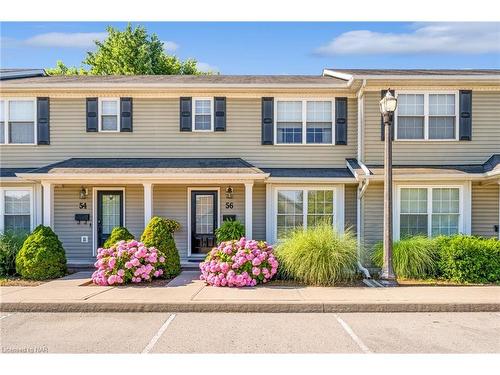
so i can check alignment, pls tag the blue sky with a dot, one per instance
(271, 48)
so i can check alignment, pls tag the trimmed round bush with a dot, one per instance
(230, 230)
(239, 263)
(469, 259)
(412, 258)
(159, 233)
(318, 255)
(42, 256)
(10, 244)
(126, 262)
(118, 234)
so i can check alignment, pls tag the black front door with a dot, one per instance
(203, 221)
(109, 213)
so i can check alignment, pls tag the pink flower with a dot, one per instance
(162, 259)
(121, 273)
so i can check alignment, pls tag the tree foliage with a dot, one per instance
(132, 51)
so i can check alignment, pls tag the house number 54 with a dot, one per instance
(229, 205)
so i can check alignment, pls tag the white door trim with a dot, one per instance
(94, 212)
(189, 190)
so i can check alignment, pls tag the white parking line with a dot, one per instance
(5, 316)
(351, 333)
(158, 334)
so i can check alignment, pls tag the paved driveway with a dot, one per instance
(250, 333)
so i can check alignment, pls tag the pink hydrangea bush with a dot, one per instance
(239, 263)
(127, 262)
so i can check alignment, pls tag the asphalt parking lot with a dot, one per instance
(250, 333)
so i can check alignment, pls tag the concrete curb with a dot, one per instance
(252, 307)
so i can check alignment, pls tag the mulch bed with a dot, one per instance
(435, 282)
(294, 284)
(17, 281)
(156, 283)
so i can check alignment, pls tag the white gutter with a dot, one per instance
(465, 76)
(359, 95)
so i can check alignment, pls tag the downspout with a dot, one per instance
(363, 185)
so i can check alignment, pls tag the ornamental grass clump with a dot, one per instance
(318, 255)
(127, 262)
(239, 263)
(413, 258)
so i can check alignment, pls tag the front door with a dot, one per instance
(203, 221)
(109, 213)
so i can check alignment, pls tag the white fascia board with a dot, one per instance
(335, 74)
(311, 180)
(434, 176)
(430, 77)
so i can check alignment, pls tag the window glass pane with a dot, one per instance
(444, 224)
(17, 210)
(110, 212)
(202, 107)
(21, 110)
(412, 225)
(319, 111)
(109, 123)
(204, 214)
(411, 104)
(2, 115)
(203, 115)
(202, 122)
(441, 127)
(446, 200)
(2, 132)
(319, 132)
(109, 107)
(289, 132)
(289, 112)
(413, 200)
(319, 206)
(22, 132)
(442, 104)
(410, 127)
(290, 211)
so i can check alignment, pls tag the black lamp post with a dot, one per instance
(388, 105)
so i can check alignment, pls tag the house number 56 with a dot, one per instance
(229, 205)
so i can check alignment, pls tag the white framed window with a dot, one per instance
(429, 211)
(301, 121)
(109, 114)
(427, 116)
(203, 116)
(18, 121)
(16, 207)
(302, 207)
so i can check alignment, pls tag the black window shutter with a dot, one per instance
(43, 121)
(185, 114)
(92, 119)
(465, 119)
(341, 121)
(382, 136)
(267, 121)
(220, 114)
(126, 114)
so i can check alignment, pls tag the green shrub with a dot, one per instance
(470, 259)
(118, 234)
(230, 230)
(42, 256)
(159, 233)
(10, 244)
(415, 257)
(318, 255)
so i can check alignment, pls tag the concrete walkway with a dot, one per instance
(186, 293)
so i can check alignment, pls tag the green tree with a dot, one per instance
(130, 52)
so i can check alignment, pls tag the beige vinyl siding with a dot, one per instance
(485, 136)
(156, 134)
(350, 204)
(485, 209)
(66, 205)
(372, 216)
(171, 201)
(259, 212)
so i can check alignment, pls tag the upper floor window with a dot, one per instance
(17, 121)
(427, 116)
(17, 209)
(203, 116)
(109, 114)
(304, 122)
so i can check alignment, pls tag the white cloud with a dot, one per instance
(170, 46)
(204, 67)
(75, 40)
(438, 37)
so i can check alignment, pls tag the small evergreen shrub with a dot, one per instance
(10, 244)
(42, 256)
(414, 258)
(159, 233)
(118, 234)
(230, 230)
(318, 255)
(469, 259)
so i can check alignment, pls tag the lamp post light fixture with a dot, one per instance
(388, 105)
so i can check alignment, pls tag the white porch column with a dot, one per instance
(148, 202)
(48, 204)
(248, 209)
